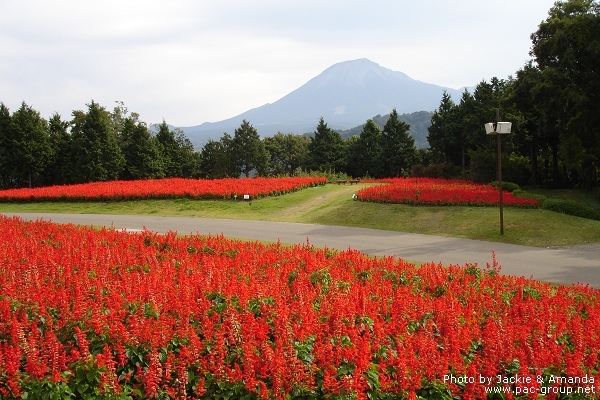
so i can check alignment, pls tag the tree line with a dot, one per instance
(95, 145)
(552, 102)
(100, 145)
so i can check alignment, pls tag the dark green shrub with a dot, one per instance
(484, 167)
(440, 170)
(507, 186)
(516, 169)
(570, 208)
(331, 176)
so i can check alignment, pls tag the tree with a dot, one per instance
(445, 131)
(364, 151)
(327, 149)
(5, 146)
(96, 152)
(187, 157)
(140, 149)
(211, 157)
(480, 148)
(287, 152)
(168, 150)
(566, 49)
(59, 168)
(119, 115)
(248, 151)
(398, 147)
(216, 159)
(473, 111)
(526, 95)
(177, 152)
(30, 151)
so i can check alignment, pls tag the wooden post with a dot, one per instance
(499, 155)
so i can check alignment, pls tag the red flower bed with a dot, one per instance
(431, 191)
(164, 188)
(90, 313)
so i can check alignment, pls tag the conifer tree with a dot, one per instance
(30, 149)
(327, 149)
(398, 147)
(59, 169)
(364, 151)
(140, 150)
(97, 155)
(5, 146)
(248, 151)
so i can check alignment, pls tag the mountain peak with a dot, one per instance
(363, 63)
(345, 95)
(357, 72)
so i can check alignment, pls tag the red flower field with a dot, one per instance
(88, 313)
(164, 188)
(433, 191)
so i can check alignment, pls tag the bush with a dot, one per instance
(440, 170)
(331, 176)
(517, 169)
(570, 208)
(483, 167)
(508, 186)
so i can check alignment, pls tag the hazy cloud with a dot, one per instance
(196, 61)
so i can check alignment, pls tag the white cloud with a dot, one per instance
(191, 62)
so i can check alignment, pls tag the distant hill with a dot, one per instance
(419, 122)
(345, 95)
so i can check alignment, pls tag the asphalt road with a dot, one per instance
(568, 265)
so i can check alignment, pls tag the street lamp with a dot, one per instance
(499, 128)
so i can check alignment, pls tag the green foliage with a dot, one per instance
(141, 152)
(331, 176)
(176, 151)
(483, 165)
(5, 145)
(364, 150)
(216, 159)
(435, 391)
(58, 170)
(438, 170)
(445, 132)
(507, 186)
(30, 145)
(327, 149)
(248, 151)
(565, 47)
(287, 153)
(516, 168)
(570, 208)
(98, 156)
(419, 122)
(398, 148)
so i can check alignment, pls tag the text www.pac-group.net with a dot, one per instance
(527, 384)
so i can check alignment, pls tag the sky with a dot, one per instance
(192, 61)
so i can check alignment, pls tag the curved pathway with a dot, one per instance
(576, 264)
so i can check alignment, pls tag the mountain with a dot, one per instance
(419, 122)
(345, 95)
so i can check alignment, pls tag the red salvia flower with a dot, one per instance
(185, 316)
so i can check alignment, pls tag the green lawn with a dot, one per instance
(333, 205)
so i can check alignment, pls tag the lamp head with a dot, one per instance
(503, 127)
(492, 128)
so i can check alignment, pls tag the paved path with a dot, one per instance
(576, 264)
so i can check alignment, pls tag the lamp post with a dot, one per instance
(499, 128)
